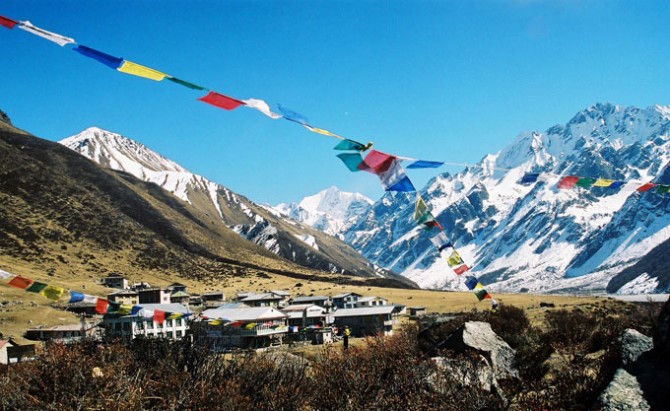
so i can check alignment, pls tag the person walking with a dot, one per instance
(346, 333)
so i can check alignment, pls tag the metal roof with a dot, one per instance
(362, 311)
(305, 298)
(244, 314)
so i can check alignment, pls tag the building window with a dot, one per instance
(178, 322)
(178, 333)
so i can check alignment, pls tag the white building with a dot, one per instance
(251, 327)
(367, 320)
(130, 326)
(369, 302)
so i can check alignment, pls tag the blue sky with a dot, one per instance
(437, 80)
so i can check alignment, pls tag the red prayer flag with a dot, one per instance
(7, 22)
(20, 282)
(101, 306)
(219, 100)
(159, 316)
(377, 162)
(461, 269)
(646, 187)
(568, 182)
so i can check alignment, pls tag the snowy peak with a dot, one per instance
(331, 211)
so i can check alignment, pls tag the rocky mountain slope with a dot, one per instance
(536, 237)
(331, 211)
(225, 209)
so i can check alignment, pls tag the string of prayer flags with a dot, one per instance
(425, 164)
(104, 58)
(261, 106)
(7, 22)
(139, 70)
(20, 282)
(53, 37)
(185, 83)
(395, 179)
(291, 115)
(219, 100)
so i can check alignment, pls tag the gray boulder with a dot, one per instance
(448, 370)
(662, 334)
(478, 336)
(633, 345)
(623, 394)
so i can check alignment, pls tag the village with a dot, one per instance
(241, 322)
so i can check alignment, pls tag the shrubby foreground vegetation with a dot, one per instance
(563, 365)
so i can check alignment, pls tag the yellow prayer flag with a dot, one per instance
(321, 131)
(454, 259)
(603, 182)
(138, 70)
(124, 309)
(215, 322)
(173, 316)
(52, 292)
(250, 326)
(479, 286)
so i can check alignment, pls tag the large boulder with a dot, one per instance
(478, 336)
(633, 345)
(623, 394)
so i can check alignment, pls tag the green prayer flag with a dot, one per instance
(351, 160)
(663, 189)
(585, 182)
(481, 294)
(346, 144)
(36, 287)
(185, 83)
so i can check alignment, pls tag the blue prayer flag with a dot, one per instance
(529, 178)
(471, 282)
(292, 115)
(104, 58)
(136, 309)
(403, 185)
(425, 164)
(616, 184)
(76, 297)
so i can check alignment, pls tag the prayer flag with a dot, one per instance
(250, 326)
(529, 178)
(454, 259)
(104, 58)
(420, 209)
(291, 115)
(52, 292)
(425, 164)
(113, 307)
(147, 314)
(430, 225)
(395, 179)
(159, 316)
(351, 160)
(585, 182)
(75, 297)
(7, 22)
(662, 189)
(54, 37)
(568, 182)
(173, 316)
(36, 287)
(236, 323)
(482, 294)
(471, 282)
(101, 306)
(461, 269)
(646, 187)
(139, 70)
(347, 144)
(219, 100)
(320, 131)
(261, 106)
(603, 182)
(20, 282)
(91, 299)
(135, 310)
(125, 309)
(617, 184)
(215, 322)
(5, 275)
(377, 162)
(185, 83)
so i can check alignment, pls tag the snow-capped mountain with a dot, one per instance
(331, 211)
(263, 225)
(537, 237)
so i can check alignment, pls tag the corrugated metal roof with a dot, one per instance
(172, 307)
(244, 314)
(356, 312)
(305, 298)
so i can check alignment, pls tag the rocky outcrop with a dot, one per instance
(623, 394)
(4, 118)
(633, 345)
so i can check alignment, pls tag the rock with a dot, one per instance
(623, 394)
(547, 305)
(468, 374)
(4, 118)
(478, 336)
(633, 345)
(662, 333)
